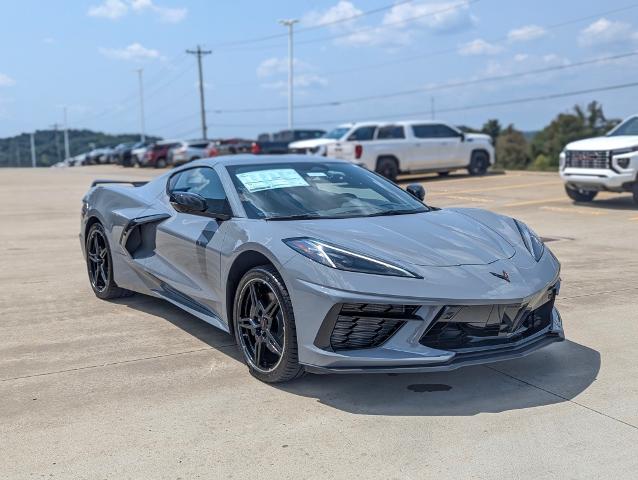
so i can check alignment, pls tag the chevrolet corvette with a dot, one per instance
(319, 265)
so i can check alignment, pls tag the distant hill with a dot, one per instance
(49, 146)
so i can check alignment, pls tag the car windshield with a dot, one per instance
(289, 191)
(337, 133)
(628, 127)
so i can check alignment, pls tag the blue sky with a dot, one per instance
(83, 54)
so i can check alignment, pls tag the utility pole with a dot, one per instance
(199, 52)
(67, 153)
(33, 150)
(55, 127)
(289, 23)
(140, 71)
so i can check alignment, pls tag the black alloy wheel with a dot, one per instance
(99, 265)
(264, 326)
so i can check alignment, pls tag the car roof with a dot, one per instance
(248, 159)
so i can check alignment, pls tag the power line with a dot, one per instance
(502, 103)
(450, 85)
(312, 27)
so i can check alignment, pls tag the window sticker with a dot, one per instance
(270, 179)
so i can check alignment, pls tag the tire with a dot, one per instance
(479, 164)
(99, 265)
(160, 163)
(581, 195)
(267, 343)
(635, 192)
(388, 167)
(443, 174)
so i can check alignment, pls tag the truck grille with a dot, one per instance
(363, 325)
(587, 159)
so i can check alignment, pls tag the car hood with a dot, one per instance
(604, 143)
(439, 238)
(478, 137)
(314, 142)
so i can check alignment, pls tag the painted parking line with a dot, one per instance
(494, 189)
(536, 202)
(467, 199)
(594, 213)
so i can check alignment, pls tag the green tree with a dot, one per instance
(492, 128)
(569, 127)
(512, 149)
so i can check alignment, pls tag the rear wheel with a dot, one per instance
(479, 164)
(160, 163)
(265, 326)
(388, 167)
(581, 195)
(100, 266)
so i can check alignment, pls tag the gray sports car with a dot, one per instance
(318, 265)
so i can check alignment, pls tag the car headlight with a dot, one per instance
(336, 257)
(532, 242)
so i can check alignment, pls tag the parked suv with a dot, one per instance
(414, 146)
(187, 151)
(157, 154)
(608, 163)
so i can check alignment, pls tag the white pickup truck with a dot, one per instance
(608, 163)
(414, 147)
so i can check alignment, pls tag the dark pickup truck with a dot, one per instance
(278, 142)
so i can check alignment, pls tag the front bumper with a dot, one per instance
(598, 179)
(405, 350)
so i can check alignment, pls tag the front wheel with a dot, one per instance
(265, 326)
(479, 164)
(580, 195)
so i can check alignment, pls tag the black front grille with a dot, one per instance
(587, 159)
(462, 327)
(366, 325)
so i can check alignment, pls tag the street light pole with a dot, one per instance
(199, 53)
(140, 72)
(289, 23)
(67, 153)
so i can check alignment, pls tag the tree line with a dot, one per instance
(516, 151)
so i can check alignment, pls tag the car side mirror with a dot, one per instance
(416, 190)
(188, 202)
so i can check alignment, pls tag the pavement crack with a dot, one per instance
(562, 397)
(110, 364)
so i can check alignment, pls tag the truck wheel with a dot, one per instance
(581, 195)
(478, 164)
(635, 192)
(388, 168)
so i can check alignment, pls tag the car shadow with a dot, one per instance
(555, 374)
(618, 202)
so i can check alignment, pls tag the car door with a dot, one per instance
(426, 153)
(450, 146)
(189, 245)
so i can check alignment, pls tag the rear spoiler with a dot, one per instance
(135, 183)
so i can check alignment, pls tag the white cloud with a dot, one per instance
(274, 66)
(604, 32)
(6, 80)
(304, 80)
(114, 9)
(134, 51)
(338, 13)
(398, 27)
(442, 17)
(110, 9)
(479, 47)
(526, 33)
(521, 57)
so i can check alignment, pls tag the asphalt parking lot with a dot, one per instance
(136, 388)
